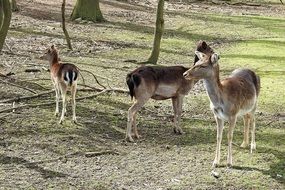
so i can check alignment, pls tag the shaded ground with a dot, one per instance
(38, 153)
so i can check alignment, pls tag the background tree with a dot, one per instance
(159, 28)
(5, 18)
(87, 10)
(63, 25)
(14, 6)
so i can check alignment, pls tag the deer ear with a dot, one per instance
(199, 54)
(214, 58)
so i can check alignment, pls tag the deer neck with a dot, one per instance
(54, 60)
(214, 89)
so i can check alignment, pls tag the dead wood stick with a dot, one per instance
(27, 97)
(25, 88)
(8, 47)
(94, 77)
(78, 153)
(17, 99)
(92, 154)
(51, 103)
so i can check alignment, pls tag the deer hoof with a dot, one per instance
(138, 136)
(178, 131)
(229, 165)
(130, 139)
(215, 164)
(244, 145)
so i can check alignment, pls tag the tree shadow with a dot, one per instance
(276, 170)
(4, 159)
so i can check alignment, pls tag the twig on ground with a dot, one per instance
(94, 77)
(92, 154)
(12, 84)
(27, 97)
(86, 154)
(8, 47)
(51, 103)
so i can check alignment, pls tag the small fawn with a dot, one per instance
(232, 97)
(64, 78)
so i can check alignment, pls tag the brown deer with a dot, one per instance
(159, 83)
(232, 97)
(64, 78)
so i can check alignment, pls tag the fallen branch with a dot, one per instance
(8, 47)
(53, 102)
(27, 97)
(25, 88)
(94, 77)
(78, 153)
(243, 3)
(92, 154)
(32, 70)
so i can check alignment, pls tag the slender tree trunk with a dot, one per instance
(159, 28)
(14, 6)
(7, 13)
(1, 14)
(63, 25)
(87, 10)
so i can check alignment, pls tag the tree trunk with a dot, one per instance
(14, 6)
(63, 25)
(87, 10)
(159, 28)
(5, 7)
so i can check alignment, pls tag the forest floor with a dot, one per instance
(38, 153)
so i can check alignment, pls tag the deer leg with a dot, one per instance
(246, 120)
(177, 115)
(131, 118)
(63, 93)
(135, 126)
(232, 122)
(175, 110)
(252, 123)
(57, 96)
(73, 93)
(220, 127)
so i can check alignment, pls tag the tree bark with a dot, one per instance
(63, 25)
(14, 6)
(159, 28)
(87, 10)
(5, 7)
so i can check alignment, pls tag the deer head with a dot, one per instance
(204, 68)
(50, 54)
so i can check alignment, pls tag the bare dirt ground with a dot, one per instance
(38, 153)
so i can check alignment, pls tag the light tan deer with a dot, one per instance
(232, 97)
(64, 78)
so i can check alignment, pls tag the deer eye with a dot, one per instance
(203, 66)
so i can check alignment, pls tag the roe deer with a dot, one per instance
(64, 77)
(158, 83)
(234, 96)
